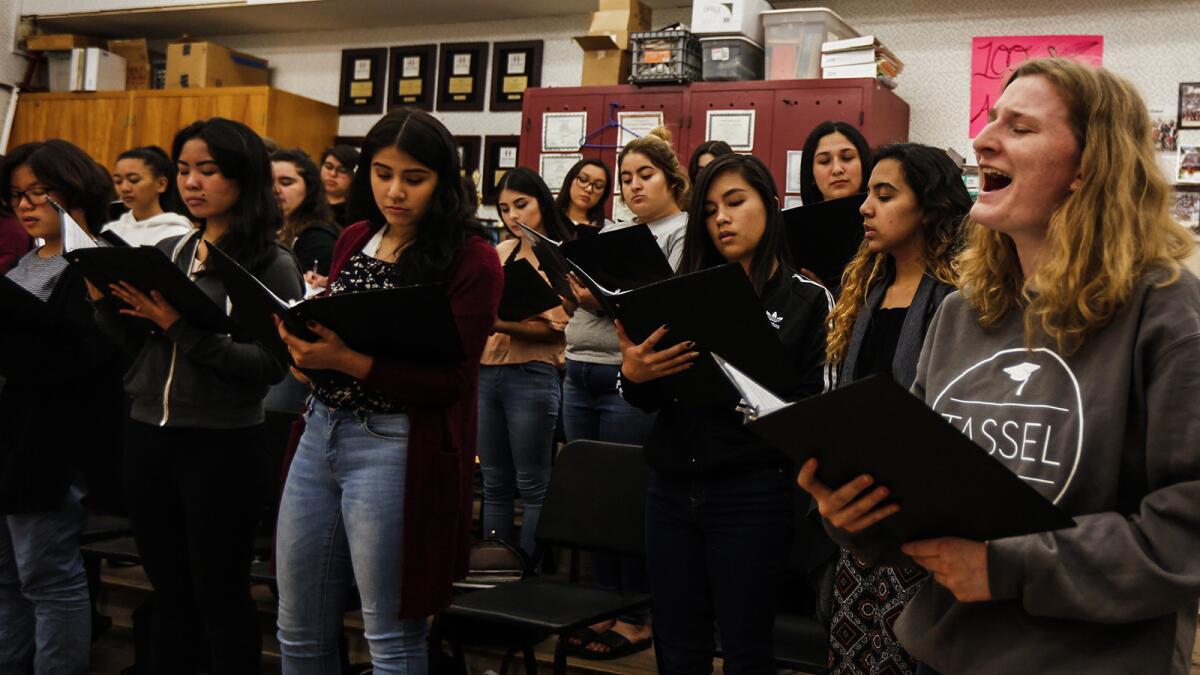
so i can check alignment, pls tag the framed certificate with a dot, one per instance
(462, 76)
(516, 66)
(412, 74)
(499, 156)
(363, 79)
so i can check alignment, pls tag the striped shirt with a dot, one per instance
(38, 275)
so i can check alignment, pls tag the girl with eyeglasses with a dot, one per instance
(60, 406)
(337, 172)
(583, 195)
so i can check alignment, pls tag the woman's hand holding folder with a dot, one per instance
(329, 352)
(641, 363)
(153, 306)
(958, 564)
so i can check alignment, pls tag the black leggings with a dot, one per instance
(193, 497)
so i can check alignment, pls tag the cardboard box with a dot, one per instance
(729, 17)
(606, 66)
(137, 61)
(86, 69)
(606, 59)
(63, 42)
(208, 64)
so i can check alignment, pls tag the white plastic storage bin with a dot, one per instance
(729, 17)
(731, 58)
(793, 39)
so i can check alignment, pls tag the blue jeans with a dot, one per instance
(45, 618)
(593, 410)
(518, 407)
(343, 511)
(715, 549)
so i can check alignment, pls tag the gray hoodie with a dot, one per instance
(189, 377)
(1111, 434)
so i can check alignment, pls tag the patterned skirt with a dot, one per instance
(866, 602)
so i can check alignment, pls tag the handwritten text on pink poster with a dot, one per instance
(993, 58)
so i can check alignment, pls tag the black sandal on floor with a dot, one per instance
(618, 646)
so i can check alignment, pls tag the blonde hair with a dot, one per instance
(936, 181)
(1103, 238)
(656, 146)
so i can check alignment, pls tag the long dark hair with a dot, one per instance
(809, 192)
(936, 182)
(160, 166)
(714, 148)
(242, 157)
(66, 170)
(450, 218)
(314, 209)
(699, 252)
(527, 182)
(595, 215)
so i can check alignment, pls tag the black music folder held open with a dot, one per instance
(945, 484)
(614, 261)
(550, 260)
(824, 237)
(526, 293)
(410, 323)
(718, 309)
(149, 269)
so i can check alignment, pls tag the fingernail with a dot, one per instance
(311, 324)
(691, 344)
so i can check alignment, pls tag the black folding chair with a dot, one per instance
(596, 501)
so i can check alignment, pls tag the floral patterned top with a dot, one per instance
(363, 272)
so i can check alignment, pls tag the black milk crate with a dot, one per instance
(665, 56)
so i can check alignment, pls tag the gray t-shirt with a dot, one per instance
(592, 338)
(38, 275)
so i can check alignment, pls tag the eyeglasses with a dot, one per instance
(584, 183)
(335, 168)
(37, 196)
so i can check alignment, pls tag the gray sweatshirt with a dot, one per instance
(189, 377)
(1111, 434)
(592, 338)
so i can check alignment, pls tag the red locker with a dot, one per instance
(785, 112)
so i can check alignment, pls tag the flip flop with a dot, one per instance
(585, 635)
(618, 646)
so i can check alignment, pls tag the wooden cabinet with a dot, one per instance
(106, 123)
(97, 122)
(785, 111)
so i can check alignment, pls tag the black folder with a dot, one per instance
(526, 293)
(551, 261)
(824, 237)
(608, 263)
(718, 309)
(149, 269)
(411, 323)
(23, 308)
(946, 485)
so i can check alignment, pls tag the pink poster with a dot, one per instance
(992, 58)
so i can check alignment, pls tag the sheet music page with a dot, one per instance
(758, 398)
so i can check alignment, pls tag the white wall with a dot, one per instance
(308, 63)
(1155, 43)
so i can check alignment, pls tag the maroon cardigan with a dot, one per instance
(441, 403)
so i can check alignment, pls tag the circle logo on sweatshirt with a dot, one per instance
(1024, 407)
